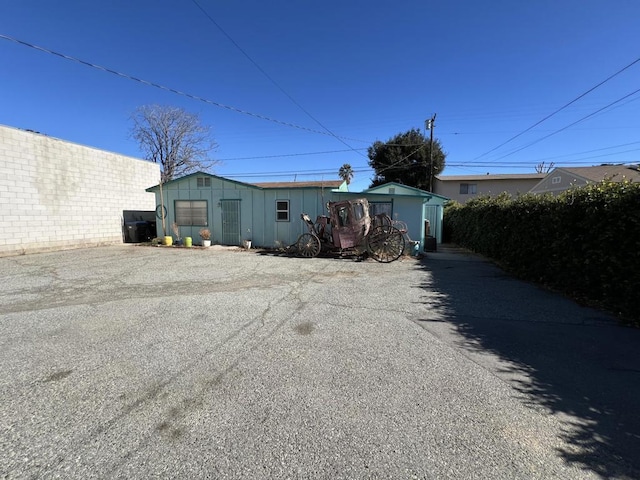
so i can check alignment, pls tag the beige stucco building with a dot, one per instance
(465, 187)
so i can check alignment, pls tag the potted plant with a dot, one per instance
(176, 232)
(205, 234)
(247, 242)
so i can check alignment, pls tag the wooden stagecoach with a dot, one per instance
(349, 227)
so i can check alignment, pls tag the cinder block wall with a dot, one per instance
(55, 194)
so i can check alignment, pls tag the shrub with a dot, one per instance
(583, 242)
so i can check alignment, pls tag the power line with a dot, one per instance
(286, 155)
(568, 126)
(517, 165)
(161, 87)
(302, 154)
(277, 85)
(472, 163)
(592, 151)
(290, 173)
(561, 108)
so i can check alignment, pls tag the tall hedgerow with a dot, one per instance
(585, 242)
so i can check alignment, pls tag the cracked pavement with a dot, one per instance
(136, 362)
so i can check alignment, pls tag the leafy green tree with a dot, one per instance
(346, 173)
(406, 159)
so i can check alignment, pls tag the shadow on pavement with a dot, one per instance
(555, 354)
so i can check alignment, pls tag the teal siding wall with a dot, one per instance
(409, 210)
(187, 189)
(434, 214)
(258, 208)
(282, 233)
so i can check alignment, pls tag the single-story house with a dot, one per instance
(268, 214)
(564, 178)
(462, 188)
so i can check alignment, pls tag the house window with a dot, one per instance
(392, 190)
(282, 210)
(204, 182)
(377, 208)
(191, 212)
(468, 188)
(556, 180)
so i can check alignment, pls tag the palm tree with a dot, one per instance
(346, 173)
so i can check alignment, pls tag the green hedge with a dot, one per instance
(584, 242)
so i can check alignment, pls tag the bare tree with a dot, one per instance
(173, 138)
(542, 167)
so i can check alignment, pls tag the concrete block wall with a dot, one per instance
(56, 194)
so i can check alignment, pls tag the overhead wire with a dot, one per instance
(159, 86)
(301, 154)
(568, 126)
(555, 157)
(261, 157)
(470, 164)
(289, 173)
(560, 109)
(292, 125)
(276, 84)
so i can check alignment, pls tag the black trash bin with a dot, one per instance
(430, 244)
(139, 225)
(136, 232)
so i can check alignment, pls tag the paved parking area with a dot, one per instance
(141, 362)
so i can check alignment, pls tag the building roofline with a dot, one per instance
(331, 184)
(311, 184)
(200, 173)
(616, 169)
(419, 192)
(497, 176)
(44, 135)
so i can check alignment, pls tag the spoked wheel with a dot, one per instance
(308, 245)
(385, 243)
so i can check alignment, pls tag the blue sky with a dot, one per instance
(364, 71)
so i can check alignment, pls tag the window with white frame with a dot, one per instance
(468, 188)
(191, 212)
(282, 210)
(556, 180)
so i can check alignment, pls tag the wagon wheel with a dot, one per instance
(308, 245)
(385, 243)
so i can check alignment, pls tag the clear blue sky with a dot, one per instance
(364, 70)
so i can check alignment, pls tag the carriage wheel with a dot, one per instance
(308, 245)
(385, 243)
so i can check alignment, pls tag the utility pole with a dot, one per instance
(430, 124)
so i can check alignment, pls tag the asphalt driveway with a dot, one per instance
(140, 362)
